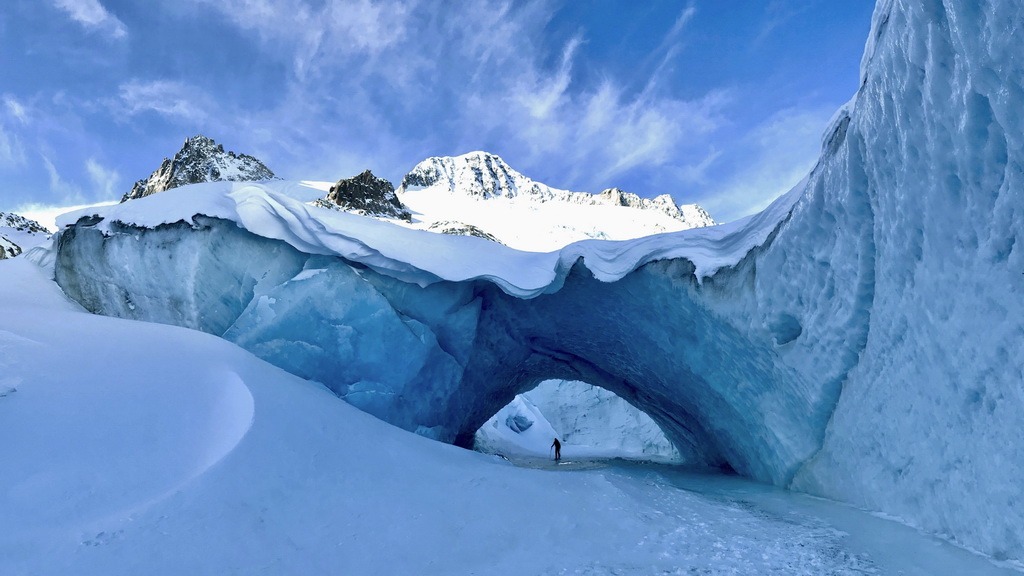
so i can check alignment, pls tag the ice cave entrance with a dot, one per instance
(592, 423)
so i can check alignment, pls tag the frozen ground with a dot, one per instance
(133, 448)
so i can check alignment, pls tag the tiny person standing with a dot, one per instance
(558, 449)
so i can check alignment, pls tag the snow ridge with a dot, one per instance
(200, 160)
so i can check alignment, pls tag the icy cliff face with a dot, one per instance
(920, 197)
(862, 339)
(200, 160)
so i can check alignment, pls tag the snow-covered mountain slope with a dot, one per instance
(200, 160)
(366, 195)
(861, 339)
(590, 422)
(481, 190)
(136, 448)
(18, 234)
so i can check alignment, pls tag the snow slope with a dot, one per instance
(136, 448)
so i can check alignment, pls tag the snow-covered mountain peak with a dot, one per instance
(481, 189)
(478, 174)
(200, 159)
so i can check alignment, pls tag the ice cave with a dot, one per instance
(860, 339)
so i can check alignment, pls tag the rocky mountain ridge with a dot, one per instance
(484, 175)
(200, 160)
(15, 230)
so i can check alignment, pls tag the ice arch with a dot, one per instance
(870, 348)
(441, 359)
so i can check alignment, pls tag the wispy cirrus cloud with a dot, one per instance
(93, 16)
(778, 154)
(105, 181)
(60, 187)
(404, 80)
(11, 151)
(170, 98)
(12, 117)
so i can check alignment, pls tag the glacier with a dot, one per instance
(861, 339)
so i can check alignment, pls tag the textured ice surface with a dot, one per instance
(862, 338)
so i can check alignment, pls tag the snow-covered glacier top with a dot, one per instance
(283, 210)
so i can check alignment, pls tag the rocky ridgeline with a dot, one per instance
(200, 160)
(367, 195)
(15, 225)
(456, 228)
(484, 175)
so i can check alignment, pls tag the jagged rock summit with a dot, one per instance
(200, 160)
(484, 175)
(368, 195)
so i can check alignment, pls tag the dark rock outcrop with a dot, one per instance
(367, 195)
(455, 228)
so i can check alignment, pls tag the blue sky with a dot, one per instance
(713, 101)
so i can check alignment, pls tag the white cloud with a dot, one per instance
(780, 152)
(397, 81)
(69, 192)
(93, 16)
(105, 181)
(16, 109)
(317, 35)
(169, 98)
(11, 151)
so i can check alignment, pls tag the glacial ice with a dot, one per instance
(861, 339)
